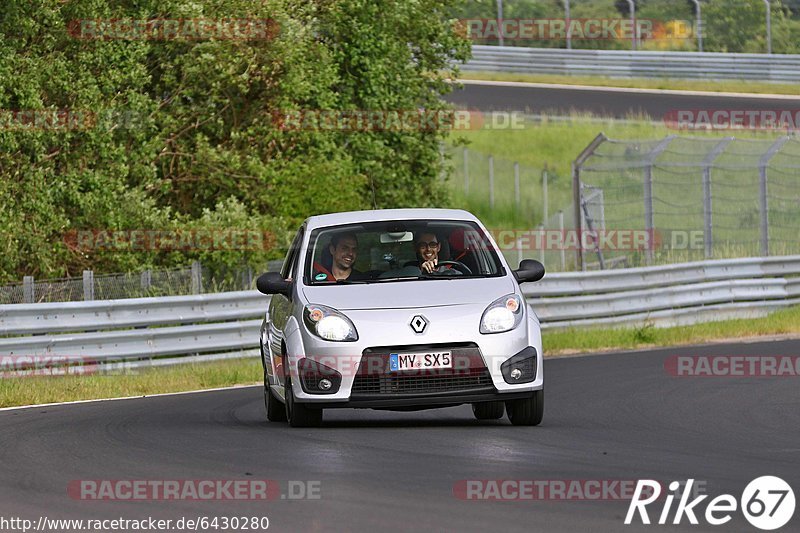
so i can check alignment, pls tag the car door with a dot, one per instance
(280, 309)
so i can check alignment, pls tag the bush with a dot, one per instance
(181, 133)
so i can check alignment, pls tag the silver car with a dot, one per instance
(400, 309)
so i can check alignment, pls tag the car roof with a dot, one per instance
(377, 215)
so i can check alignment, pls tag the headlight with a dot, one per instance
(329, 324)
(504, 314)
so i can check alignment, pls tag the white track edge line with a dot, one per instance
(98, 400)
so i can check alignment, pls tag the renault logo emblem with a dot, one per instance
(418, 323)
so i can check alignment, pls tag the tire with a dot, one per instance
(528, 411)
(488, 410)
(276, 412)
(298, 415)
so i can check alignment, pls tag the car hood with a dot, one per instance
(410, 294)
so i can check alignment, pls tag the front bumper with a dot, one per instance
(423, 400)
(454, 327)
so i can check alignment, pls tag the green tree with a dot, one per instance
(740, 26)
(182, 132)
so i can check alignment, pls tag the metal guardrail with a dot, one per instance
(168, 330)
(635, 64)
(21, 319)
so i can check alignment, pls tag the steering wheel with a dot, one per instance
(458, 265)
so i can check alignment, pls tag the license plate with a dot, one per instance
(420, 361)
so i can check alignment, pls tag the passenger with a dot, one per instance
(343, 250)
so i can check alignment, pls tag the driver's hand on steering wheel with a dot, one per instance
(429, 266)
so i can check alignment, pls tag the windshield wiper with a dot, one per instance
(404, 278)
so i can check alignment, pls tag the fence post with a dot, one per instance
(649, 216)
(545, 213)
(491, 182)
(466, 171)
(197, 278)
(561, 240)
(28, 295)
(516, 183)
(146, 280)
(649, 220)
(763, 190)
(580, 264)
(88, 285)
(707, 201)
(763, 207)
(544, 243)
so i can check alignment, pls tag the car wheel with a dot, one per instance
(488, 410)
(298, 415)
(528, 411)
(276, 412)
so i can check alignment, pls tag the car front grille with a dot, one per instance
(469, 373)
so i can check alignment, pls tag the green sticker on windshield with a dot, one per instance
(320, 277)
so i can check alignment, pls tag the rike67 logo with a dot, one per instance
(767, 503)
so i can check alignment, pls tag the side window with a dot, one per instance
(290, 263)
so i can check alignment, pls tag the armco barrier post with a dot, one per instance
(197, 278)
(27, 289)
(88, 285)
(146, 280)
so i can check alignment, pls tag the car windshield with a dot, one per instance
(394, 251)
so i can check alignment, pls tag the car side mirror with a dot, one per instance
(529, 270)
(273, 283)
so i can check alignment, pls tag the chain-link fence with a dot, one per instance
(521, 205)
(195, 279)
(691, 198)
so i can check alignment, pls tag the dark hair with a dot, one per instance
(419, 235)
(339, 236)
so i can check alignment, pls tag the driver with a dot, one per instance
(344, 252)
(428, 248)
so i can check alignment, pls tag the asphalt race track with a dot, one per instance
(605, 102)
(607, 417)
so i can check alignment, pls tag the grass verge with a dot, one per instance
(39, 390)
(132, 382)
(726, 86)
(784, 322)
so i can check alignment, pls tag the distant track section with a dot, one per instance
(612, 102)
